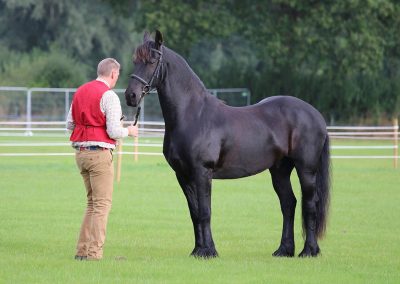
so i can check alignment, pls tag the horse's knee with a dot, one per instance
(204, 214)
(292, 202)
(288, 204)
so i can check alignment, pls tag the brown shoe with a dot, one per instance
(80, 257)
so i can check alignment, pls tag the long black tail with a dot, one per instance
(323, 189)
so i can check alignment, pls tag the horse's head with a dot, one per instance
(147, 69)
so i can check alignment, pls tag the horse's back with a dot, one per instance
(292, 105)
(295, 112)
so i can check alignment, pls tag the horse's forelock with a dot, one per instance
(143, 52)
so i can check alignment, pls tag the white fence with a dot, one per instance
(387, 135)
(52, 104)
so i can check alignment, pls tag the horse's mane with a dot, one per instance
(143, 52)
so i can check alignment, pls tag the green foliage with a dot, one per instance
(40, 69)
(186, 23)
(84, 29)
(87, 31)
(330, 53)
(341, 56)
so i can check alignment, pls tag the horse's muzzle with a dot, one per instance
(131, 98)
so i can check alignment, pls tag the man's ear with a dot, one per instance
(159, 39)
(113, 74)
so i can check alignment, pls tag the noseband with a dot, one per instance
(147, 86)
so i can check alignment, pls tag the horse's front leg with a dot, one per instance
(198, 194)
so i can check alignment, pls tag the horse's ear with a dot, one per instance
(146, 37)
(159, 39)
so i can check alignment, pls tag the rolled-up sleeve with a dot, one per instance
(70, 120)
(111, 105)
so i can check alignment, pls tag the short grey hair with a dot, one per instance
(106, 66)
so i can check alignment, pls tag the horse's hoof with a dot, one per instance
(283, 252)
(310, 252)
(204, 253)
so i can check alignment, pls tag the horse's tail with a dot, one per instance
(323, 189)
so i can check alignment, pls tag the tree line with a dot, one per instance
(343, 57)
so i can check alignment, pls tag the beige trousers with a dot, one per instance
(97, 170)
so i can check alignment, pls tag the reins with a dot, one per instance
(147, 86)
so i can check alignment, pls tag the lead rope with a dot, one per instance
(139, 106)
(137, 115)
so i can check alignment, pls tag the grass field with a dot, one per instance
(150, 234)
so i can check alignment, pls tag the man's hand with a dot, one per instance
(133, 130)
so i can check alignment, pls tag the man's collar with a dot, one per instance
(102, 80)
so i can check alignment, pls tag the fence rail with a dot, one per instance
(149, 129)
(52, 104)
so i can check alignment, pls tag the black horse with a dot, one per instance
(206, 139)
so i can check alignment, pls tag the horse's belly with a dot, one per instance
(232, 173)
(243, 169)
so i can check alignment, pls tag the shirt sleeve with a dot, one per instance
(111, 106)
(70, 120)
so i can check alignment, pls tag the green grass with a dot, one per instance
(150, 234)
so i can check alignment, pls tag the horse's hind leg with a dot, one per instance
(308, 184)
(280, 174)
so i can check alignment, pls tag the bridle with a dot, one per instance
(147, 86)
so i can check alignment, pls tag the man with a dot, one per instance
(94, 119)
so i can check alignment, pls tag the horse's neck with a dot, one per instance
(182, 95)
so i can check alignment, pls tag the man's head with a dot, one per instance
(108, 70)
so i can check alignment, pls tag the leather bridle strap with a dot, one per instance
(147, 86)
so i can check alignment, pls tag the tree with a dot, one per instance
(45, 69)
(341, 56)
(87, 31)
(333, 54)
(186, 23)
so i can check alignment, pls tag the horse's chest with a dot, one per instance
(173, 155)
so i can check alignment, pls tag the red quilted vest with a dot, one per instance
(90, 122)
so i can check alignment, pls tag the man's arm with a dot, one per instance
(111, 106)
(70, 120)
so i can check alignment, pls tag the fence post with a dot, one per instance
(135, 147)
(119, 161)
(396, 141)
(29, 113)
(248, 101)
(141, 118)
(66, 104)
